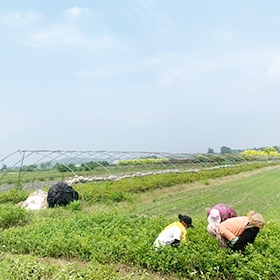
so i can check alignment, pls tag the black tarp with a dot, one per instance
(61, 194)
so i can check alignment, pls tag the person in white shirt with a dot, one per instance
(174, 233)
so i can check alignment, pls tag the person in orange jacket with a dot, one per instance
(237, 232)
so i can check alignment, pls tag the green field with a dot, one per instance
(112, 240)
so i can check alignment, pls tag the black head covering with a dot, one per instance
(186, 219)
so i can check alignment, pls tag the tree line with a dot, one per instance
(228, 150)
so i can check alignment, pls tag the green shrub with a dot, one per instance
(117, 191)
(111, 237)
(76, 205)
(13, 215)
(13, 195)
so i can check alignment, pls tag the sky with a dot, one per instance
(178, 76)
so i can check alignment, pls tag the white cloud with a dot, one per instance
(171, 76)
(273, 70)
(180, 68)
(75, 11)
(67, 35)
(27, 30)
(224, 36)
(149, 18)
(106, 72)
(147, 4)
(15, 18)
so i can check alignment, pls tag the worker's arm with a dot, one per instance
(175, 243)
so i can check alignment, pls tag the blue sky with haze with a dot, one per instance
(149, 75)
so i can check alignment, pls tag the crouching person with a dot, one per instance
(240, 231)
(174, 233)
(220, 213)
(213, 230)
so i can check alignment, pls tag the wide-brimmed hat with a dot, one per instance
(214, 216)
(186, 219)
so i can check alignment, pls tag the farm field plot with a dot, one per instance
(112, 240)
(258, 189)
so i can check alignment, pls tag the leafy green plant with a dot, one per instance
(206, 183)
(76, 205)
(117, 191)
(13, 215)
(13, 195)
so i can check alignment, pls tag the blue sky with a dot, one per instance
(149, 75)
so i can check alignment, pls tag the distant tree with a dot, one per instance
(4, 167)
(60, 167)
(30, 168)
(210, 151)
(225, 150)
(270, 150)
(66, 167)
(42, 166)
(93, 164)
(45, 165)
(236, 151)
(277, 148)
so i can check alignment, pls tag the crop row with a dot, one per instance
(105, 237)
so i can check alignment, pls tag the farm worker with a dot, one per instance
(220, 213)
(213, 230)
(239, 231)
(174, 233)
